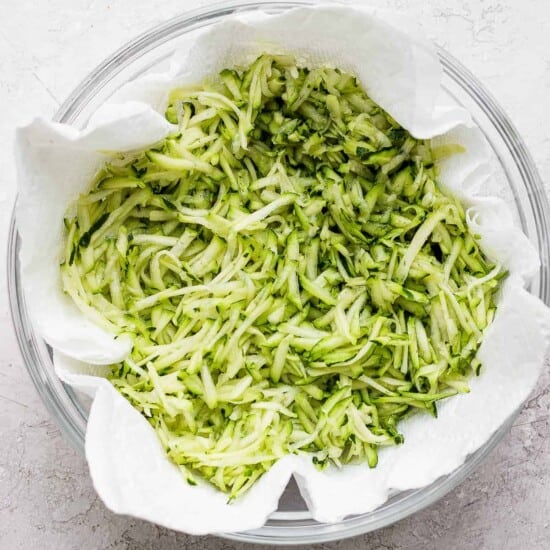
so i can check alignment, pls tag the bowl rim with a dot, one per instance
(29, 342)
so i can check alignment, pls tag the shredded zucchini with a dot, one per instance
(292, 275)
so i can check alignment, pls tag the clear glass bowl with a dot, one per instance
(517, 182)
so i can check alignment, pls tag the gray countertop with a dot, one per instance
(46, 497)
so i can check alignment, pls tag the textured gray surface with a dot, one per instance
(46, 498)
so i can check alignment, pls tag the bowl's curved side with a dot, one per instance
(59, 399)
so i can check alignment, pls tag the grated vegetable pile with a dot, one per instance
(292, 275)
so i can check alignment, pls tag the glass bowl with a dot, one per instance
(517, 182)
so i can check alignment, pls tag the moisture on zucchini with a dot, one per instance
(292, 275)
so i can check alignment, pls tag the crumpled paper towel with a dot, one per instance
(400, 71)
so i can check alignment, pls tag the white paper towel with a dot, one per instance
(400, 71)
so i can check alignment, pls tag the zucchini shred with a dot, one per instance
(292, 275)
